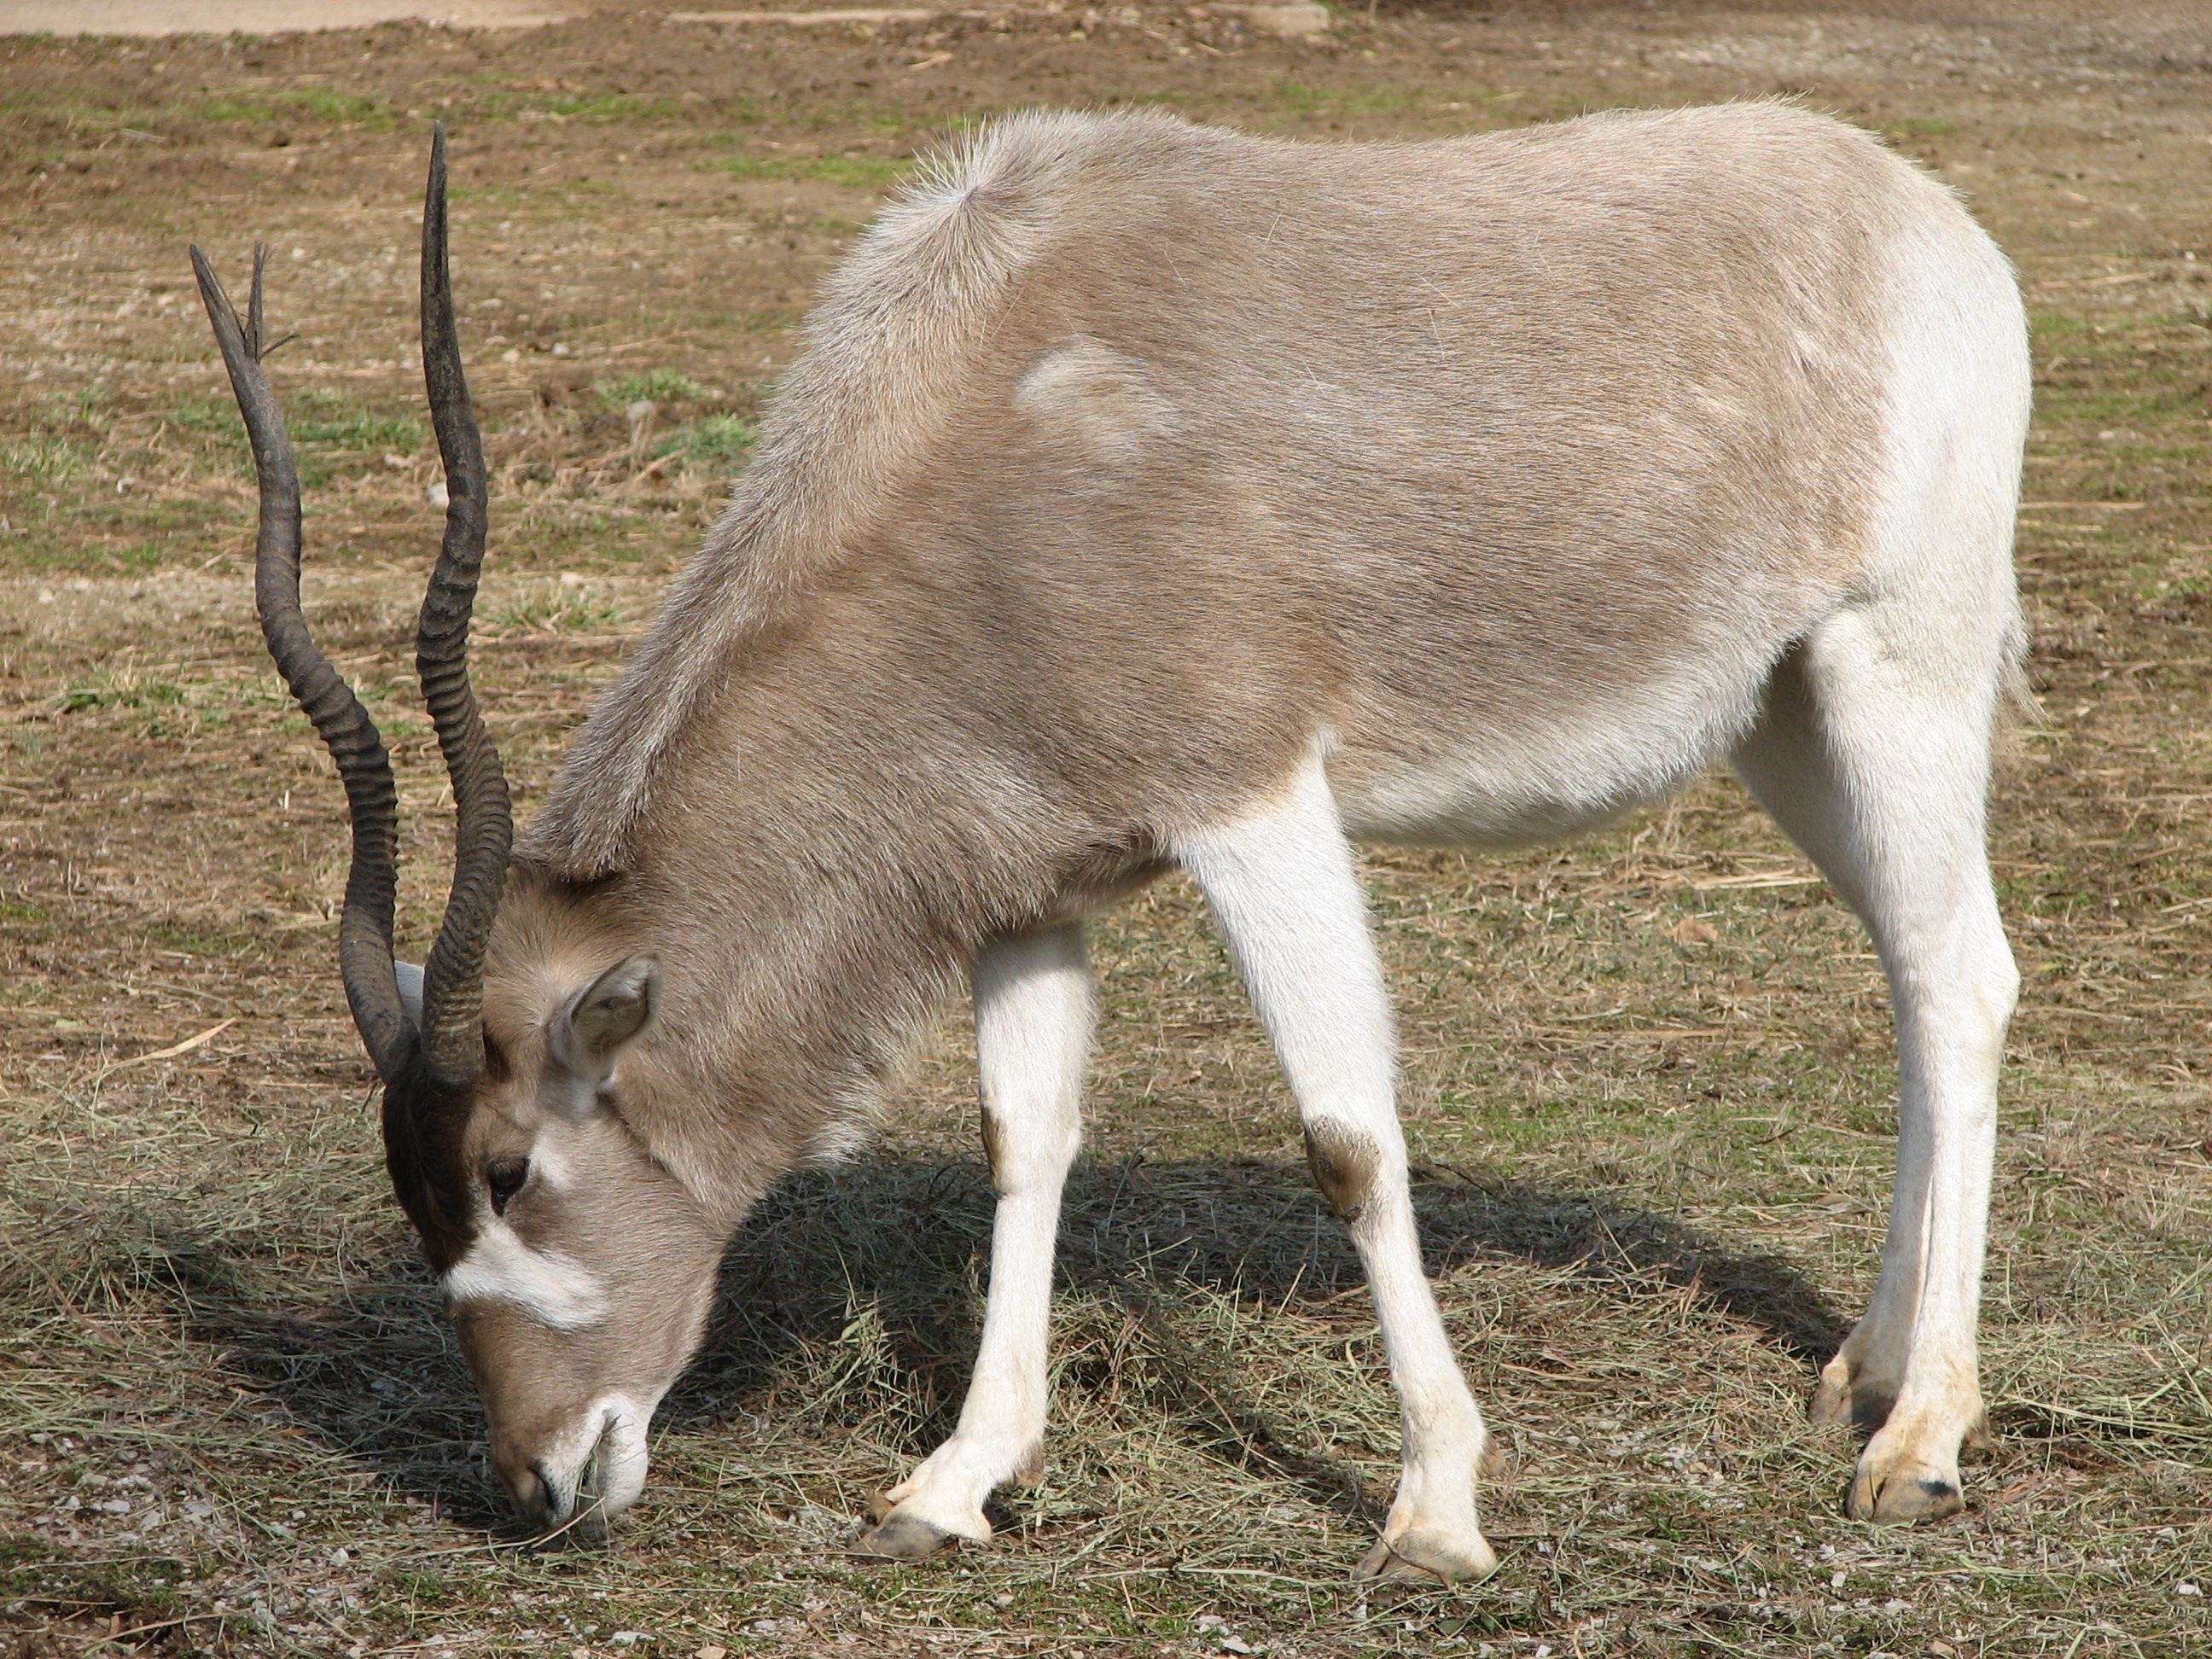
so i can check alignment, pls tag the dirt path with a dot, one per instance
(163, 17)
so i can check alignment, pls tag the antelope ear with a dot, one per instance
(594, 1030)
(410, 989)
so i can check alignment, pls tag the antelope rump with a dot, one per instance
(1148, 495)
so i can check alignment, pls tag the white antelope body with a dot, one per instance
(1149, 496)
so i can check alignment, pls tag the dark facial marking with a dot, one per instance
(424, 1121)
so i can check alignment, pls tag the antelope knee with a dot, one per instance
(1345, 1164)
(1021, 1155)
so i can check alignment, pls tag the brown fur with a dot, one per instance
(994, 1151)
(1439, 449)
(1345, 1163)
(1501, 399)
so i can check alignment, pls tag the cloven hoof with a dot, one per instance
(904, 1537)
(1899, 1495)
(1429, 1557)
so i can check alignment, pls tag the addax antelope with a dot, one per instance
(1148, 495)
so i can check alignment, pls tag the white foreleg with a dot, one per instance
(1283, 890)
(1033, 1023)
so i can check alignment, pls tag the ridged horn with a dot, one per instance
(372, 802)
(483, 829)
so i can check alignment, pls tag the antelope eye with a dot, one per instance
(505, 1178)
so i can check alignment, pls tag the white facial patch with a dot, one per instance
(551, 1288)
(599, 1462)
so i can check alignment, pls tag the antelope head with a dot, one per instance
(576, 1267)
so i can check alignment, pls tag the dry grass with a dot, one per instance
(1649, 1076)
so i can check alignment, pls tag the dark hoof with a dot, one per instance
(904, 1537)
(1901, 1497)
(1429, 1557)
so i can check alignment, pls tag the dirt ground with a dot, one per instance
(1649, 1076)
(166, 17)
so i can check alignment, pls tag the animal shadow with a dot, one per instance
(853, 1292)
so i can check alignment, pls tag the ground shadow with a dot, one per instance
(899, 1242)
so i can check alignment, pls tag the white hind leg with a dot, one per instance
(1878, 767)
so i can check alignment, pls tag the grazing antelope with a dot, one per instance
(1152, 496)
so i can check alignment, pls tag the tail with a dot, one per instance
(2019, 710)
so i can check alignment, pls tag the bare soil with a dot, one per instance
(166, 17)
(1649, 1076)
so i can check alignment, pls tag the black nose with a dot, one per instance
(536, 1497)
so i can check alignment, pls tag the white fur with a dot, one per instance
(1286, 895)
(410, 975)
(601, 1459)
(1518, 787)
(1878, 764)
(548, 1286)
(1094, 399)
(550, 1163)
(1033, 1023)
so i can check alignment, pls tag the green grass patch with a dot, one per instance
(130, 559)
(337, 426)
(718, 439)
(324, 426)
(121, 694)
(153, 707)
(326, 105)
(209, 418)
(659, 385)
(559, 613)
(44, 460)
